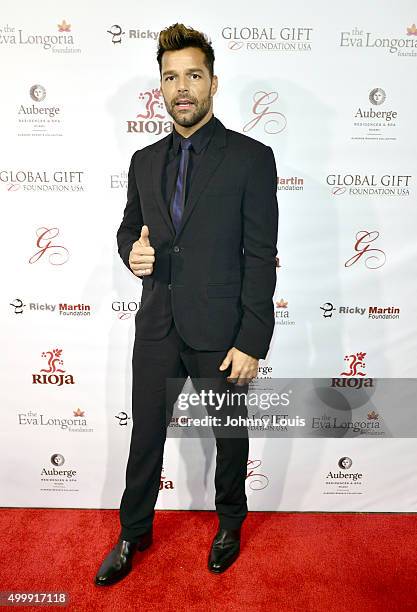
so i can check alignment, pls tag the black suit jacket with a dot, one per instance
(216, 277)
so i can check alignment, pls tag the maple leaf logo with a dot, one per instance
(373, 416)
(412, 30)
(64, 26)
(78, 413)
(281, 303)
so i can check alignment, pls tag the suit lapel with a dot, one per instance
(213, 157)
(158, 166)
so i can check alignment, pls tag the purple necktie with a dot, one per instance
(179, 196)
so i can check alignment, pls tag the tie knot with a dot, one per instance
(186, 144)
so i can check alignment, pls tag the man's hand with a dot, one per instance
(142, 255)
(244, 367)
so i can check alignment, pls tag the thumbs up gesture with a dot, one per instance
(142, 255)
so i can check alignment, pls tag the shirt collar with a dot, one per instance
(199, 139)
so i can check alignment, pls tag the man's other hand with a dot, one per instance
(244, 367)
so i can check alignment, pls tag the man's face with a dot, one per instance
(345, 463)
(186, 85)
(37, 92)
(377, 96)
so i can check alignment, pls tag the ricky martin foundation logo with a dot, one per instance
(283, 38)
(62, 308)
(355, 184)
(373, 123)
(63, 42)
(290, 183)
(38, 119)
(403, 44)
(370, 312)
(269, 119)
(53, 373)
(153, 117)
(117, 33)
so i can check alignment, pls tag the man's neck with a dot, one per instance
(186, 132)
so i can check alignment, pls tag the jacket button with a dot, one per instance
(176, 249)
(169, 286)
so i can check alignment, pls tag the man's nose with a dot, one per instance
(182, 85)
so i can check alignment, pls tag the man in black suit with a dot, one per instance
(200, 230)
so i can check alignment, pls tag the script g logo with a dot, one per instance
(58, 254)
(116, 34)
(374, 258)
(273, 122)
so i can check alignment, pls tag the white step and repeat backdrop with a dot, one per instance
(331, 88)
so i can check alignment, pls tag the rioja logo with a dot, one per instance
(53, 373)
(356, 363)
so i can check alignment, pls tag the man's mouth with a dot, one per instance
(183, 103)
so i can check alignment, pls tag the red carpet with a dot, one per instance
(289, 562)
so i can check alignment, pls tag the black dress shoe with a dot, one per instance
(224, 550)
(118, 562)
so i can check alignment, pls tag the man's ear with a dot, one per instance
(214, 84)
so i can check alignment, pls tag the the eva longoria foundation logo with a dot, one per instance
(282, 313)
(55, 254)
(371, 312)
(153, 118)
(356, 365)
(268, 39)
(271, 121)
(354, 184)
(63, 42)
(404, 44)
(255, 478)
(53, 373)
(374, 258)
(118, 180)
(75, 423)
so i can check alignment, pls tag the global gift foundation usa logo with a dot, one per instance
(254, 38)
(61, 41)
(53, 373)
(404, 44)
(153, 118)
(32, 180)
(354, 184)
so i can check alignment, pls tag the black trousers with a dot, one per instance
(153, 362)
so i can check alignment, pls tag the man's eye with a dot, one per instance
(194, 74)
(168, 78)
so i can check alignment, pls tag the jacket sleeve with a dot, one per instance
(131, 225)
(260, 229)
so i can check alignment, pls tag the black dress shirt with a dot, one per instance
(199, 140)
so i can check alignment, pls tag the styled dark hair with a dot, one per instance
(178, 36)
